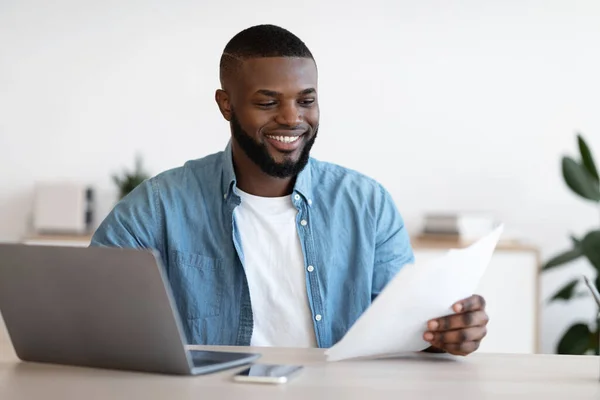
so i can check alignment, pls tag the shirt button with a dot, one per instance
(310, 268)
(309, 202)
(303, 222)
(297, 197)
(318, 317)
(225, 196)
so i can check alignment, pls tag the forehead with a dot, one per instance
(281, 74)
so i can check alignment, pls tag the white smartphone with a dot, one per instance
(267, 373)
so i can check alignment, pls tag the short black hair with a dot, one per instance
(261, 41)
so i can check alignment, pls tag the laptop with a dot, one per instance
(98, 307)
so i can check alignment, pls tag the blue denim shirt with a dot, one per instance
(350, 231)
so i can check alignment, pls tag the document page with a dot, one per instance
(397, 319)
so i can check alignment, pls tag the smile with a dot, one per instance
(284, 139)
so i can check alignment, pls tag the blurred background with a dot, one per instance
(463, 110)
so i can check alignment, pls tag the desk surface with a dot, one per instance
(412, 377)
(418, 242)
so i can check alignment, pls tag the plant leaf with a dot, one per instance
(576, 242)
(129, 180)
(579, 180)
(590, 246)
(566, 292)
(563, 258)
(587, 158)
(116, 180)
(576, 340)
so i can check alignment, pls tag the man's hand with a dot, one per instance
(460, 333)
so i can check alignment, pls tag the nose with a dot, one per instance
(289, 115)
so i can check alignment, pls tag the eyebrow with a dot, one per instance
(272, 93)
(307, 91)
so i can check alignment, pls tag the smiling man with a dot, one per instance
(262, 244)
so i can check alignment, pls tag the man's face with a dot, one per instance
(274, 113)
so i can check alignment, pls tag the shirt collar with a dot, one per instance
(303, 181)
(228, 172)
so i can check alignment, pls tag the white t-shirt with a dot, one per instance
(274, 266)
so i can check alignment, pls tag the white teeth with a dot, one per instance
(285, 139)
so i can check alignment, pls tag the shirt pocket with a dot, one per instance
(197, 284)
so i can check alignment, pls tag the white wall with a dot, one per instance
(452, 105)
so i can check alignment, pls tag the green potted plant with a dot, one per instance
(581, 176)
(127, 181)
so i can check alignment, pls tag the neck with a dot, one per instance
(251, 179)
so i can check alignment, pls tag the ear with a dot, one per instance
(224, 103)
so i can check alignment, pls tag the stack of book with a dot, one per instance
(458, 226)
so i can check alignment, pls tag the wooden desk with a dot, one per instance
(479, 376)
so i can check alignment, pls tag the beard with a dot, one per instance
(259, 153)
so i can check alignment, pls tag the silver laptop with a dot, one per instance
(98, 307)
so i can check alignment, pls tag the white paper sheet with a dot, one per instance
(397, 319)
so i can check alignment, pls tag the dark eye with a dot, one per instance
(306, 102)
(266, 104)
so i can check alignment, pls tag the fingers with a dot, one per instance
(458, 321)
(454, 337)
(458, 342)
(472, 303)
(461, 349)
(459, 333)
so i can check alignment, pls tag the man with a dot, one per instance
(262, 244)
